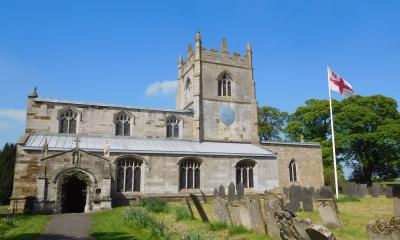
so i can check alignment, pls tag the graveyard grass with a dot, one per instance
(24, 226)
(110, 224)
(354, 217)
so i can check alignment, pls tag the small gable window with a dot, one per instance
(173, 127)
(122, 124)
(68, 121)
(292, 171)
(225, 85)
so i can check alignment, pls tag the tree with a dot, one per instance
(312, 122)
(271, 123)
(368, 136)
(7, 164)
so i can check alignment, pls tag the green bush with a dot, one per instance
(156, 205)
(6, 224)
(217, 226)
(137, 217)
(234, 230)
(348, 199)
(182, 213)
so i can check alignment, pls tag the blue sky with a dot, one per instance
(117, 51)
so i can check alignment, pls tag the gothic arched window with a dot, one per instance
(173, 125)
(188, 88)
(225, 85)
(292, 171)
(128, 175)
(245, 173)
(189, 174)
(67, 121)
(122, 124)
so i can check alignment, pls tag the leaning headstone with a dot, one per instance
(231, 192)
(256, 217)
(328, 213)
(215, 193)
(199, 208)
(221, 208)
(221, 191)
(307, 198)
(287, 230)
(375, 190)
(244, 215)
(382, 230)
(240, 191)
(320, 232)
(189, 207)
(350, 189)
(389, 192)
(396, 207)
(203, 196)
(294, 199)
(362, 190)
(272, 203)
(301, 225)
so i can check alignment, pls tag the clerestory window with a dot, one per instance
(67, 121)
(122, 124)
(173, 127)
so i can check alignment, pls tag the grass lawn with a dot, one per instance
(25, 227)
(4, 208)
(354, 216)
(110, 224)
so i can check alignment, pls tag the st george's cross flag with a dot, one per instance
(338, 84)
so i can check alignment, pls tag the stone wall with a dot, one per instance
(308, 157)
(42, 116)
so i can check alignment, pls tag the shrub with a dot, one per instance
(6, 224)
(182, 213)
(348, 199)
(156, 205)
(137, 217)
(217, 226)
(234, 230)
(159, 230)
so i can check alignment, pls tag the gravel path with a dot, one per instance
(67, 226)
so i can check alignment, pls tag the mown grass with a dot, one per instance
(354, 216)
(24, 227)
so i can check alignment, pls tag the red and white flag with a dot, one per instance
(338, 84)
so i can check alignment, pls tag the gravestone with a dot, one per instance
(294, 199)
(389, 192)
(396, 191)
(240, 191)
(362, 190)
(272, 203)
(287, 229)
(203, 196)
(328, 213)
(231, 192)
(199, 208)
(301, 225)
(307, 198)
(221, 208)
(382, 230)
(216, 193)
(324, 192)
(320, 232)
(256, 216)
(396, 207)
(375, 190)
(244, 214)
(235, 213)
(350, 189)
(189, 207)
(221, 191)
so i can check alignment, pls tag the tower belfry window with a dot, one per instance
(224, 86)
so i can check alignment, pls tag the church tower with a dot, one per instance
(219, 88)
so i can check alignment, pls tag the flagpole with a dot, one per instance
(333, 138)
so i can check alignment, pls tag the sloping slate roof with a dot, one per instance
(63, 142)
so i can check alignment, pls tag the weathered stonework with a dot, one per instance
(39, 169)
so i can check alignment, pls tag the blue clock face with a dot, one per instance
(227, 115)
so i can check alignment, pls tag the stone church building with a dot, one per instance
(79, 156)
